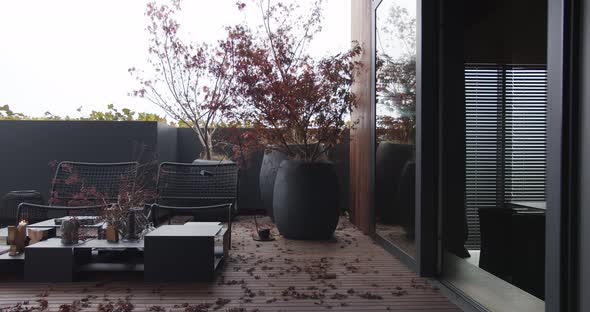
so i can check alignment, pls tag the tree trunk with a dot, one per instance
(206, 142)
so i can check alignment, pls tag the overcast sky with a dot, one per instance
(58, 55)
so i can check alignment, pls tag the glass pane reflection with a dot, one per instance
(396, 123)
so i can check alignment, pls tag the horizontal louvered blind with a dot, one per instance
(483, 98)
(526, 133)
(505, 138)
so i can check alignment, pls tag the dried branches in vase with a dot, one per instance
(129, 215)
(121, 203)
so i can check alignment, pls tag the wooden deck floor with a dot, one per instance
(348, 273)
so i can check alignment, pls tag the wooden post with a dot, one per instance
(361, 141)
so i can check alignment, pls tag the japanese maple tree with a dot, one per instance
(299, 105)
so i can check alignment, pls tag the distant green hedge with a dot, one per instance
(111, 114)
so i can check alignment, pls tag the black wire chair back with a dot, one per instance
(197, 184)
(81, 189)
(205, 191)
(77, 183)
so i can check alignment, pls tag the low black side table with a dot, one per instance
(183, 253)
(513, 244)
(528, 260)
(50, 261)
(10, 203)
(496, 249)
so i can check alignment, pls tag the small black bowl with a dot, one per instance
(264, 234)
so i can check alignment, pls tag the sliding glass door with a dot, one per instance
(494, 240)
(474, 131)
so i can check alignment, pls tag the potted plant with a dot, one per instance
(127, 216)
(299, 106)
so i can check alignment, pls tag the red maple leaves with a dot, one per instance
(297, 104)
(265, 80)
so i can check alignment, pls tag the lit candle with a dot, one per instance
(21, 236)
(111, 234)
(12, 252)
(11, 234)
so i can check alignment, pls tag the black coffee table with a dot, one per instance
(50, 261)
(189, 252)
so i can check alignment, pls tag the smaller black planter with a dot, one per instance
(268, 173)
(390, 159)
(406, 198)
(306, 200)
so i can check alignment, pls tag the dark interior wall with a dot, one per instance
(506, 31)
(27, 147)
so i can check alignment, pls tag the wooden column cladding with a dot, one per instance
(361, 138)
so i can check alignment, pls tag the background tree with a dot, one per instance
(125, 114)
(7, 114)
(396, 77)
(111, 114)
(191, 82)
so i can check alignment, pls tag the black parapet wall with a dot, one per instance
(189, 148)
(28, 147)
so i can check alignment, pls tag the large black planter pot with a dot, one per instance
(390, 159)
(268, 172)
(211, 162)
(306, 200)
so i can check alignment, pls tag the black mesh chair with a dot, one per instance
(205, 191)
(81, 189)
